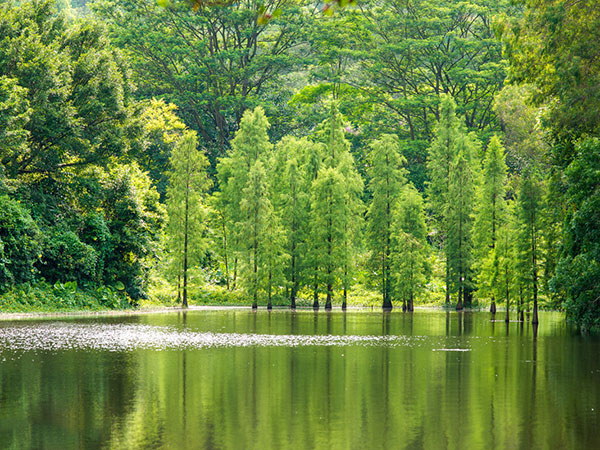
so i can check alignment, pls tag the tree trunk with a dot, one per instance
(185, 249)
(225, 254)
(459, 304)
(316, 294)
(493, 306)
(447, 281)
(269, 303)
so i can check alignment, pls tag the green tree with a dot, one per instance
(328, 227)
(529, 204)
(387, 182)
(251, 144)
(442, 154)
(188, 184)
(68, 88)
(490, 209)
(291, 198)
(460, 206)
(135, 219)
(19, 243)
(409, 247)
(256, 229)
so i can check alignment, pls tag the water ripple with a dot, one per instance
(124, 337)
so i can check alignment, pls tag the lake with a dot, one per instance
(237, 379)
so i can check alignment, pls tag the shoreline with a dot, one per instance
(8, 316)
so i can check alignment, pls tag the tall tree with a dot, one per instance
(256, 215)
(328, 228)
(529, 214)
(251, 144)
(291, 199)
(449, 134)
(188, 183)
(387, 181)
(461, 202)
(409, 247)
(490, 209)
(351, 217)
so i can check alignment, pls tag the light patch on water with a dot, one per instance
(124, 337)
(451, 349)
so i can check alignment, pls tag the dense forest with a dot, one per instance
(284, 152)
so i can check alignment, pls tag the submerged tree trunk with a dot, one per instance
(493, 306)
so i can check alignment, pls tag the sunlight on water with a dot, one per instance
(123, 337)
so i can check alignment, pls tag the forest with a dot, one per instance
(297, 153)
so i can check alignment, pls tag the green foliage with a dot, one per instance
(19, 243)
(66, 258)
(67, 87)
(188, 182)
(214, 63)
(410, 248)
(258, 226)
(44, 297)
(461, 194)
(490, 215)
(328, 204)
(134, 218)
(387, 182)
(529, 214)
(578, 273)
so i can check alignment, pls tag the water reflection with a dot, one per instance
(309, 380)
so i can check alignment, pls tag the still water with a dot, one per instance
(234, 379)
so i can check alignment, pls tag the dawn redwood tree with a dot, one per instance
(449, 133)
(328, 228)
(529, 205)
(188, 183)
(256, 213)
(490, 211)
(409, 247)
(351, 217)
(251, 144)
(293, 165)
(460, 206)
(387, 182)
